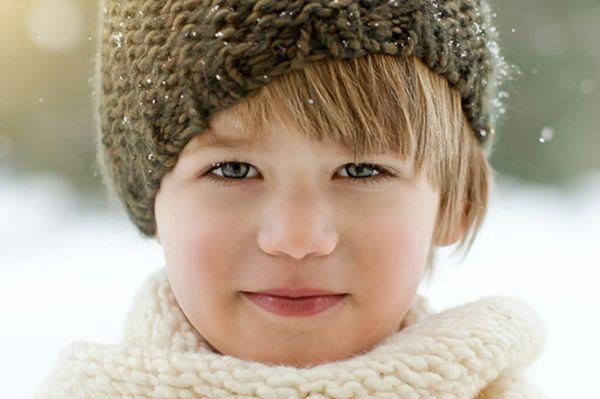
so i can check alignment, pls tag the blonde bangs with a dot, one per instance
(366, 104)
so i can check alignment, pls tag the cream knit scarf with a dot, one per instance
(476, 350)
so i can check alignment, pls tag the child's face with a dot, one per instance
(292, 218)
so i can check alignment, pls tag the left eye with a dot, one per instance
(362, 167)
(237, 170)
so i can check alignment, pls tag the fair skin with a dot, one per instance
(293, 218)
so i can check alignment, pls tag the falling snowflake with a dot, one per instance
(547, 134)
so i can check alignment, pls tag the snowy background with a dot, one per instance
(69, 270)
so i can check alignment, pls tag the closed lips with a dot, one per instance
(295, 306)
(296, 293)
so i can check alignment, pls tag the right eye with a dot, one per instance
(230, 170)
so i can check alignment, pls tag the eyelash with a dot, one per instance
(384, 173)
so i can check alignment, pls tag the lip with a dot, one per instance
(297, 293)
(295, 306)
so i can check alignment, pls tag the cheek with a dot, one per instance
(201, 264)
(197, 243)
(188, 225)
(396, 250)
(399, 235)
(392, 255)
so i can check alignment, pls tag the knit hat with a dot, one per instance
(163, 68)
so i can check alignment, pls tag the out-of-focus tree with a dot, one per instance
(556, 46)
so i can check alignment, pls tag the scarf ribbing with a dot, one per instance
(475, 350)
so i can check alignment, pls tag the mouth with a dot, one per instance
(294, 306)
(297, 292)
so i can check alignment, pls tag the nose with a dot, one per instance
(297, 225)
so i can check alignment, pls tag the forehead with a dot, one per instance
(226, 132)
(209, 138)
(220, 133)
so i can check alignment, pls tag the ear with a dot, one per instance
(450, 239)
(454, 236)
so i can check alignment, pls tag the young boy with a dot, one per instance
(299, 162)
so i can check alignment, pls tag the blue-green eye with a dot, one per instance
(238, 170)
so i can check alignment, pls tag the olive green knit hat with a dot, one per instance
(164, 67)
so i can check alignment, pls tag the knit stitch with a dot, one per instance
(475, 350)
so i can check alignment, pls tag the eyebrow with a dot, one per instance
(218, 142)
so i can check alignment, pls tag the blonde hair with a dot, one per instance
(379, 103)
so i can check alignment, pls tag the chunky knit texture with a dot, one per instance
(476, 350)
(164, 67)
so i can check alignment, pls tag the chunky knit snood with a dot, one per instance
(476, 350)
